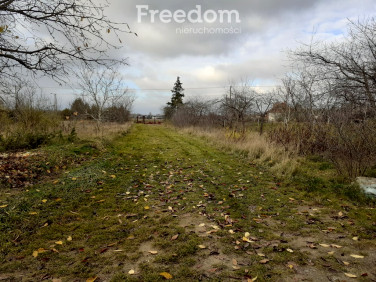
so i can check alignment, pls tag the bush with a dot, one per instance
(20, 141)
(350, 146)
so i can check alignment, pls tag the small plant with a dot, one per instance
(72, 135)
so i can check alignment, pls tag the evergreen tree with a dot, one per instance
(176, 99)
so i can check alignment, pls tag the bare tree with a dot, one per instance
(51, 36)
(348, 65)
(194, 112)
(104, 88)
(263, 103)
(236, 106)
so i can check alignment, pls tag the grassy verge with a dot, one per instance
(161, 202)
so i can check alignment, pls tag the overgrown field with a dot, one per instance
(158, 204)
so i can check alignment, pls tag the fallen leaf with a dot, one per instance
(324, 245)
(113, 176)
(33, 213)
(264, 261)
(245, 239)
(346, 263)
(41, 251)
(261, 254)
(355, 238)
(35, 254)
(202, 225)
(59, 242)
(74, 179)
(357, 256)
(331, 253)
(44, 200)
(234, 262)
(131, 272)
(166, 275)
(252, 279)
(147, 208)
(202, 246)
(231, 231)
(247, 235)
(336, 246)
(3, 206)
(69, 238)
(290, 251)
(173, 238)
(92, 279)
(153, 252)
(350, 275)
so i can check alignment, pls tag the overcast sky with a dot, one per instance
(207, 62)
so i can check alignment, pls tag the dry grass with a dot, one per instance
(88, 129)
(258, 149)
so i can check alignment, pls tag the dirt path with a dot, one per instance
(160, 204)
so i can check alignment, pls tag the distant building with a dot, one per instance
(277, 111)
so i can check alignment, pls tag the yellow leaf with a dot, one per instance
(290, 251)
(113, 176)
(247, 235)
(33, 213)
(3, 206)
(153, 252)
(245, 239)
(59, 242)
(92, 279)
(147, 208)
(202, 225)
(331, 253)
(41, 250)
(357, 256)
(290, 266)
(350, 275)
(231, 231)
(202, 246)
(166, 275)
(346, 263)
(261, 254)
(74, 179)
(324, 245)
(35, 254)
(69, 238)
(252, 280)
(355, 238)
(131, 272)
(44, 201)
